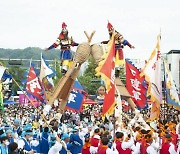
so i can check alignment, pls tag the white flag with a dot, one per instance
(45, 71)
(118, 107)
(152, 72)
(2, 69)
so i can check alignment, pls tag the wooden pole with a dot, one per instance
(65, 84)
(89, 37)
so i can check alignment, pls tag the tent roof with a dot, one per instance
(89, 101)
(10, 102)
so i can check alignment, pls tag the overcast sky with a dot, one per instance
(37, 23)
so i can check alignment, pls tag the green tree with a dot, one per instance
(18, 75)
(122, 75)
(57, 68)
(89, 80)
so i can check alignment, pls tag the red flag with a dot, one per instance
(106, 69)
(136, 85)
(33, 85)
(109, 101)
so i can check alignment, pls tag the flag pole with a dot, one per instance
(119, 104)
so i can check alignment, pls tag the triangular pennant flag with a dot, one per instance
(46, 70)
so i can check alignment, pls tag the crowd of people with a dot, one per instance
(23, 130)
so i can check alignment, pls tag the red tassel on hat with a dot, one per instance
(64, 25)
(109, 26)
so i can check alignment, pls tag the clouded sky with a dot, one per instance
(37, 23)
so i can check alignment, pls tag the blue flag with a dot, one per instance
(4, 74)
(171, 89)
(76, 97)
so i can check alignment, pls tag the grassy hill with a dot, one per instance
(26, 56)
(29, 53)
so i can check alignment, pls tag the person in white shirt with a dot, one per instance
(150, 149)
(104, 147)
(136, 146)
(56, 147)
(24, 142)
(168, 146)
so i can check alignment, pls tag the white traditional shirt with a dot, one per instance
(55, 148)
(151, 150)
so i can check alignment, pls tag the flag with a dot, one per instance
(1, 99)
(2, 70)
(171, 89)
(106, 69)
(46, 70)
(118, 108)
(155, 111)
(76, 97)
(152, 73)
(4, 74)
(136, 85)
(46, 74)
(24, 100)
(33, 86)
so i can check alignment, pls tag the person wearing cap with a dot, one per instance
(35, 143)
(24, 142)
(65, 42)
(17, 128)
(75, 143)
(3, 143)
(56, 146)
(64, 141)
(86, 146)
(168, 147)
(120, 42)
(9, 135)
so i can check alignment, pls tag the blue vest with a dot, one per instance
(18, 130)
(3, 149)
(27, 146)
(63, 151)
(11, 140)
(44, 144)
(76, 144)
(37, 148)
